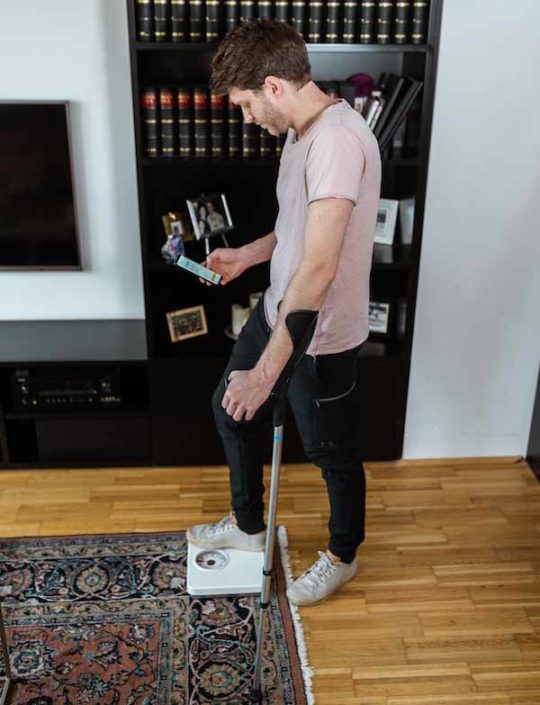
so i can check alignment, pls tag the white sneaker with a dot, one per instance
(225, 534)
(321, 580)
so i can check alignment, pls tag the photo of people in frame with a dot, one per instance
(209, 215)
(187, 323)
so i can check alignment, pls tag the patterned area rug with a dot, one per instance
(106, 620)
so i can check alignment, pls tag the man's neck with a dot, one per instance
(311, 102)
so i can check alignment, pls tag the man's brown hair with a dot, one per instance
(254, 50)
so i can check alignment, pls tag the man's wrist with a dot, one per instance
(266, 373)
(246, 255)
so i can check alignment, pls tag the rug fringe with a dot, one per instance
(307, 671)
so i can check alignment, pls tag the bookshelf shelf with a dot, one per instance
(183, 375)
(326, 48)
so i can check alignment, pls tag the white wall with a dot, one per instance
(477, 334)
(77, 50)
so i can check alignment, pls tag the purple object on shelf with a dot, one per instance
(363, 84)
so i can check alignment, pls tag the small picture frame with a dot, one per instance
(379, 317)
(386, 221)
(209, 215)
(186, 323)
(177, 223)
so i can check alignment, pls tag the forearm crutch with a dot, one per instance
(301, 325)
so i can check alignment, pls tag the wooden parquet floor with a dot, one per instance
(445, 609)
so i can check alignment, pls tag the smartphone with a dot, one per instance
(196, 268)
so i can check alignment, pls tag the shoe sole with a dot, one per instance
(310, 604)
(193, 541)
(323, 599)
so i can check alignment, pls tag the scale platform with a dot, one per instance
(223, 571)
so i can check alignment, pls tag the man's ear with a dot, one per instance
(274, 86)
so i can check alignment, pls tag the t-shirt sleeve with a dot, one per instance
(335, 165)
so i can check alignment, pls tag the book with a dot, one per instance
(167, 121)
(268, 145)
(232, 14)
(315, 21)
(247, 11)
(185, 121)
(217, 125)
(391, 86)
(250, 141)
(380, 103)
(280, 143)
(234, 128)
(161, 20)
(298, 18)
(179, 20)
(200, 115)
(196, 21)
(333, 22)
(150, 120)
(385, 11)
(264, 9)
(350, 16)
(212, 20)
(281, 10)
(404, 102)
(401, 21)
(367, 22)
(419, 17)
(372, 106)
(144, 20)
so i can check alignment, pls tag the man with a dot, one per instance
(214, 219)
(320, 251)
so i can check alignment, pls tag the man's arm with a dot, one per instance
(326, 224)
(231, 262)
(260, 250)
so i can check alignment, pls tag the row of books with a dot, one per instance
(332, 21)
(184, 121)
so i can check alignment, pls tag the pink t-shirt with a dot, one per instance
(337, 157)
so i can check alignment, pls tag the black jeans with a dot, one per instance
(325, 406)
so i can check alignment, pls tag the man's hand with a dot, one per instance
(245, 394)
(228, 261)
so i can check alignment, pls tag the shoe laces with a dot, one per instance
(321, 569)
(222, 525)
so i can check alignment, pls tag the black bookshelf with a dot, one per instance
(182, 376)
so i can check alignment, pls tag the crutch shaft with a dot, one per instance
(268, 552)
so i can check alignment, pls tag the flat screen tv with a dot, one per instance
(38, 228)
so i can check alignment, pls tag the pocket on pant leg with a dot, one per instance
(337, 410)
(335, 417)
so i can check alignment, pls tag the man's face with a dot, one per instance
(257, 108)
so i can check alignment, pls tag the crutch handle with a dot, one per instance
(301, 326)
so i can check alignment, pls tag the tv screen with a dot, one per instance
(37, 210)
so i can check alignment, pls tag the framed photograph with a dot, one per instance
(187, 323)
(379, 317)
(209, 215)
(386, 221)
(178, 224)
